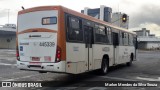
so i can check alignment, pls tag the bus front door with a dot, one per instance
(115, 47)
(88, 32)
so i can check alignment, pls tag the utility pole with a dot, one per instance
(8, 15)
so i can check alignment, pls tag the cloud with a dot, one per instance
(3, 12)
(127, 2)
(146, 14)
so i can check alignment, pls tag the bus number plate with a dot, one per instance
(47, 44)
(35, 59)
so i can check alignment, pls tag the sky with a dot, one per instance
(142, 13)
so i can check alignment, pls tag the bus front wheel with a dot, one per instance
(130, 62)
(104, 67)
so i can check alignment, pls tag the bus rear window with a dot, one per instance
(49, 20)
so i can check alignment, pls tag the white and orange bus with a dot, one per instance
(57, 39)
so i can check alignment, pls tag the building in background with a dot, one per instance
(105, 14)
(147, 40)
(144, 33)
(8, 36)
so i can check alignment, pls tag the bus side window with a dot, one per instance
(109, 33)
(120, 38)
(75, 32)
(115, 38)
(100, 34)
(125, 38)
(130, 39)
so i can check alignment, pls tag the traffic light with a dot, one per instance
(124, 18)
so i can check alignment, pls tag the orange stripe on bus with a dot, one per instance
(42, 8)
(37, 30)
(61, 36)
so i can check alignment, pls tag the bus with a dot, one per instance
(61, 40)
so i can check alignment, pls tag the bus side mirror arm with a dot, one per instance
(136, 44)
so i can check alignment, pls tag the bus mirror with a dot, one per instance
(136, 44)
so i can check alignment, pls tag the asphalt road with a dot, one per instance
(145, 69)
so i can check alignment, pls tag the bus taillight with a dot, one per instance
(58, 54)
(17, 55)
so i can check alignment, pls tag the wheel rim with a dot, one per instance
(105, 67)
(131, 60)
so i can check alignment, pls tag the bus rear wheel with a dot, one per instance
(42, 72)
(104, 67)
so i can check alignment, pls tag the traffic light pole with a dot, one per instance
(116, 20)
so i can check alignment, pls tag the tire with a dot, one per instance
(104, 67)
(42, 72)
(130, 62)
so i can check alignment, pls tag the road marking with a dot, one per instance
(19, 72)
(67, 88)
(97, 88)
(1, 77)
(149, 79)
(117, 78)
(6, 64)
(21, 77)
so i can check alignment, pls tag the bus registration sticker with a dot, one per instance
(21, 48)
(75, 48)
(47, 44)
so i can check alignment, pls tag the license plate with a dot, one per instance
(35, 58)
(35, 63)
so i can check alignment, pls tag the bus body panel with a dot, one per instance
(99, 51)
(32, 37)
(123, 54)
(77, 61)
(37, 43)
(43, 47)
(76, 58)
